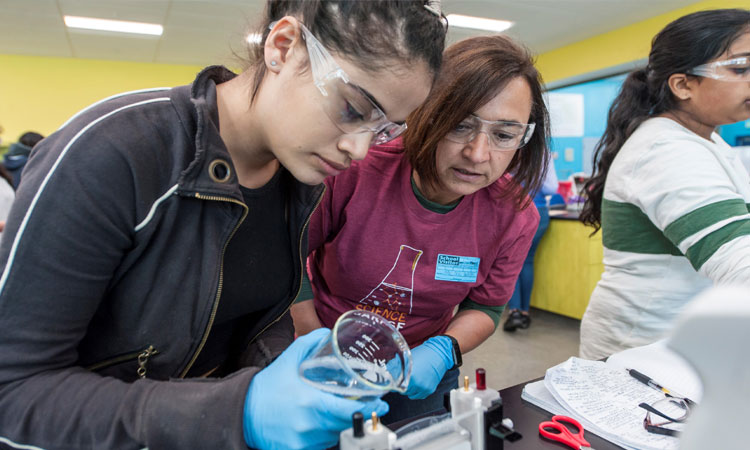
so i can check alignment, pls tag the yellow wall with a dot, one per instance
(567, 266)
(616, 47)
(40, 93)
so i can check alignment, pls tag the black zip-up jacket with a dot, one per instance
(112, 274)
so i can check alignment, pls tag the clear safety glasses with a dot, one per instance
(664, 416)
(735, 69)
(351, 109)
(502, 135)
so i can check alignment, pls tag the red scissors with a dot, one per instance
(557, 430)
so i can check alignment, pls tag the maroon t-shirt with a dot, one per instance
(375, 247)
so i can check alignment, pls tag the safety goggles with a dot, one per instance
(347, 105)
(735, 69)
(666, 415)
(502, 135)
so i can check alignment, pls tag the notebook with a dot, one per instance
(605, 398)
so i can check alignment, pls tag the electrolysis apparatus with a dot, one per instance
(474, 422)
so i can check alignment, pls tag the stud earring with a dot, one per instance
(273, 63)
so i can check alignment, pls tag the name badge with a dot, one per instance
(463, 269)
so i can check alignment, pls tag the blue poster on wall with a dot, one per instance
(578, 115)
(573, 143)
(736, 134)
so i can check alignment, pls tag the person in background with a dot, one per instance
(520, 301)
(669, 195)
(436, 222)
(166, 230)
(18, 153)
(7, 193)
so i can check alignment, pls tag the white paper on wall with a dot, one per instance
(566, 114)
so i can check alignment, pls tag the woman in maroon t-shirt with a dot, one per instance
(448, 188)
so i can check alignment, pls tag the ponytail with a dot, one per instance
(631, 108)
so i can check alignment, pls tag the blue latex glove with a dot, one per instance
(429, 362)
(282, 411)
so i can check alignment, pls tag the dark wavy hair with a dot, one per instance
(474, 71)
(687, 42)
(372, 33)
(30, 138)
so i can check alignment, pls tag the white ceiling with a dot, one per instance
(203, 32)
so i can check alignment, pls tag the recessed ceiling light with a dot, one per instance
(478, 23)
(254, 38)
(120, 26)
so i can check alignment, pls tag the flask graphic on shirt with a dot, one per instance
(396, 287)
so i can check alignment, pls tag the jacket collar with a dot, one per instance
(201, 118)
(211, 171)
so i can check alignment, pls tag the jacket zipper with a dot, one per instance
(302, 267)
(221, 277)
(143, 360)
(141, 356)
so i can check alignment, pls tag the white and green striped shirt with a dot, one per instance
(674, 219)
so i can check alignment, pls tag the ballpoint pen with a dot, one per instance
(645, 379)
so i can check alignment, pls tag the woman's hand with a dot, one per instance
(305, 318)
(430, 361)
(282, 411)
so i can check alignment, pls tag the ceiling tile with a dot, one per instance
(117, 46)
(32, 28)
(203, 32)
(130, 10)
(215, 47)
